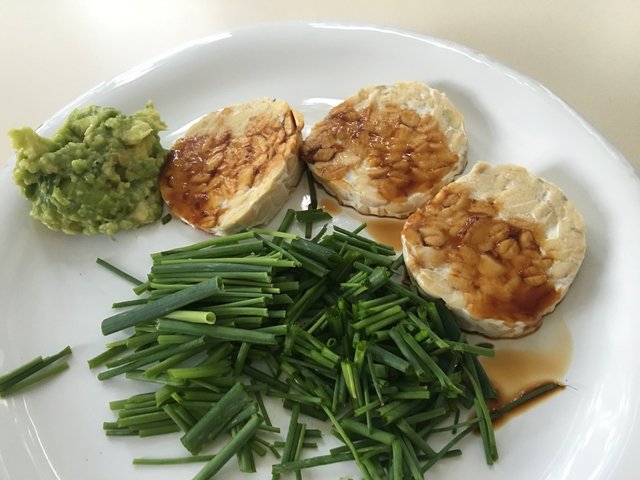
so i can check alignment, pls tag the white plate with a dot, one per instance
(53, 294)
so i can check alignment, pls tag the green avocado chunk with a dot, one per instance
(97, 175)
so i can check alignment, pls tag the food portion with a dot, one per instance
(97, 175)
(388, 149)
(33, 372)
(322, 326)
(235, 168)
(322, 322)
(499, 245)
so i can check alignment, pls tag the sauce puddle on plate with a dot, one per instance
(385, 230)
(381, 229)
(330, 206)
(522, 365)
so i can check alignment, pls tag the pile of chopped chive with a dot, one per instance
(321, 323)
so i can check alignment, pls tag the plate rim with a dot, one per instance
(471, 53)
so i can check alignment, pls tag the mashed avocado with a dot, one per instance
(98, 174)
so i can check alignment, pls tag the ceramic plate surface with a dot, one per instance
(53, 293)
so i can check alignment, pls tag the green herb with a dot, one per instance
(172, 461)
(33, 372)
(215, 420)
(312, 215)
(322, 325)
(230, 449)
(313, 205)
(153, 310)
(118, 272)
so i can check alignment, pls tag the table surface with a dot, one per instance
(585, 51)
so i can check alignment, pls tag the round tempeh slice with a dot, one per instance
(388, 149)
(499, 245)
(234, 168)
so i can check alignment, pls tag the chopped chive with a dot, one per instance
(216, 251)
(217, 332)
(297, 451)
(345, 438)
(141, 419)
(285, 224)
(143, 358)
(260, 376)
(129, 303)
(230, 449)
(37, 377)
(312, 215)
(312, 462)
(274, 233)
(362, 430)
(413, 436)
(359, 240)
(281, 444)
(226, 240)
(153, 310)
(246, 461)
(397, 471)
(20, 372)
(426, 415)
(411, 459)
(216, 419)
(117, 271)
(106, 355)
(291, 440)
(28, 374)
(140, 289)
(162, 379)
(389, 358)
(119, 432)
(527, 397)
(192, 316)
(313, 195)
(172, 461)
(482, 410)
